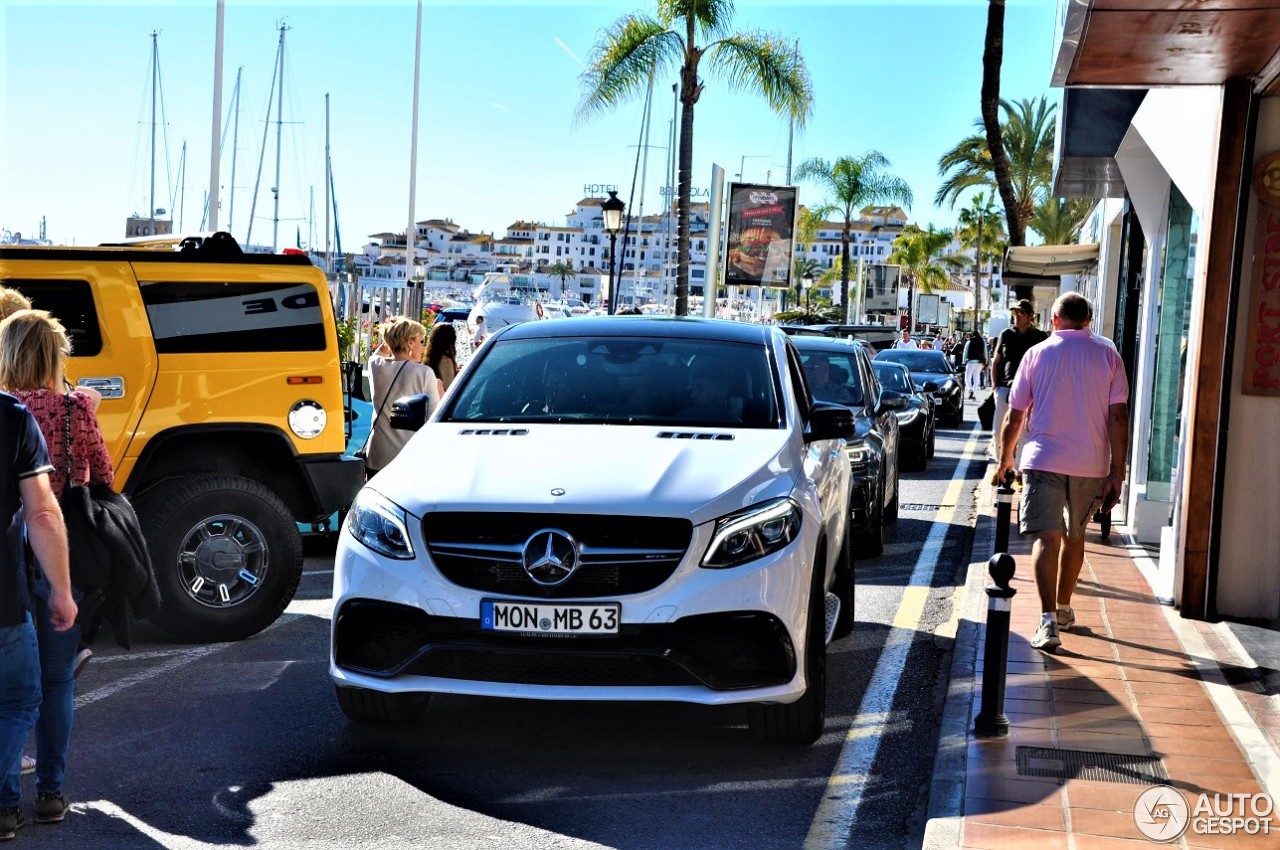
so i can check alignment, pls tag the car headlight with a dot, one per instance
(951, 386)
(379, 523)
(859, 454)
(906, 417)
(747, 535)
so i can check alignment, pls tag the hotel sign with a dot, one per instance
(1262, 346)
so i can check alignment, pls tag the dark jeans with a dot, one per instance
(19, 702)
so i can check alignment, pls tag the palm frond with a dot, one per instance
(623, 58)
(763, 63)
(714, 17)
(1058, 220)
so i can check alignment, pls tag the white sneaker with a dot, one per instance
(1046, 637)
(1066, 617)
(28, 765)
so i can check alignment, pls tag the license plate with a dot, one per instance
(498, 615)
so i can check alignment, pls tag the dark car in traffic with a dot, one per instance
(879, 337)
(840, 372)
(933, 367)
(916, 426)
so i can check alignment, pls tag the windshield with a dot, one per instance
(917, 361)
(620, 380)
(833, 376)
(892, 377)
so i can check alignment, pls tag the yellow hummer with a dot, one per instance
(222, 407)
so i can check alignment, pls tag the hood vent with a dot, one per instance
(494, 432)
(692, 435)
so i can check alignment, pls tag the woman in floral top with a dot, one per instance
(33, 351)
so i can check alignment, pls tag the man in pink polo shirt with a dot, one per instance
(1072, 392)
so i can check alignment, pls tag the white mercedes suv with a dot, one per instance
(614, 508)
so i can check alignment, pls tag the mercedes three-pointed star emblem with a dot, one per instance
(550, 557)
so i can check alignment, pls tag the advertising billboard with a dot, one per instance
(761, 224)
(927, 309)
(882, 289)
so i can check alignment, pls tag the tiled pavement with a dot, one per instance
(1132, 678)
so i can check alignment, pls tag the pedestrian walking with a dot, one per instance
(1011, 345)
(401, 374)
(1073, 396)
(906, 341)
(975, 359)
(442, 353)
(34, 347)
(25, 495)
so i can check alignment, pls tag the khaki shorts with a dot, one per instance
(1054, 502)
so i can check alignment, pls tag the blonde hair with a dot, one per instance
(34, 347)
(400, 332)
(11, 301)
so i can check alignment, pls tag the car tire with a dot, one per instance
(800, 722)
(871, 542)
(843, 587)
(202, 528)
(374, 708)
(918, 457)
(933, 441)
(891, 509)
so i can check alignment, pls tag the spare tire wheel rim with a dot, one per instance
(223, 560)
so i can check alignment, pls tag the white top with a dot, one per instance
(386, 442)
(911, 343)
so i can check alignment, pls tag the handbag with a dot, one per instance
(363, 451)
(987, 411)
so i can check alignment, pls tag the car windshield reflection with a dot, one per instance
(620, 380)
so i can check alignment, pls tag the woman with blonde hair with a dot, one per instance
(442, 353)
(402, 373)
(34, 348)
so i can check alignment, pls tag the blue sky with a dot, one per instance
(499, 90)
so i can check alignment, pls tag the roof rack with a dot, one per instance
(209, 245)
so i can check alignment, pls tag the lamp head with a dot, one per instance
(612, 209)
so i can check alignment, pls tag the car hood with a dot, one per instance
(600, 469)
(939, 378)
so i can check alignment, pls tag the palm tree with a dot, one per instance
(1002, 172)
(562, 270)
(852, 183)
(919, 253)
(638, 45)
(979, 228)
(1028, 138)
(1058, 220)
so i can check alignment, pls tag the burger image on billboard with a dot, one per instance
(752, 251)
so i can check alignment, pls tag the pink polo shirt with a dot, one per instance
(1068, 383)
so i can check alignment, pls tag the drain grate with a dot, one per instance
(921, 506)
(1097, 767)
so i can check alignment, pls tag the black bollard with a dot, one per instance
(991, 722)
(1004, 507)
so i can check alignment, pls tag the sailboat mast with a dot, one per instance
(644, 171)
(791, 130)
(413, 168)
(235, 139)
(215, 142)
(275, 218)
(182, 186)
(155, 74)
(668, 206)
(262, 151)
(328, 257)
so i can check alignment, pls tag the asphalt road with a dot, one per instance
(234, 745)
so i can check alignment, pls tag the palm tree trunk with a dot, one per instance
(685, 181)
(844, 269)
(992, 57)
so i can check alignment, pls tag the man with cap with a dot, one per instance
(1013, 342)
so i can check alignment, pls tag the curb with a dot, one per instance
(944, 826)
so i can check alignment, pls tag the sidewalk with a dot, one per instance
(1136, 697)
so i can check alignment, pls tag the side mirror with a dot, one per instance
(893, 402)
(829, 421)
(410, 412)
(929, 387)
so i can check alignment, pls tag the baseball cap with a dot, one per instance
(1023, 306)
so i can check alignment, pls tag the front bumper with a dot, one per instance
(703, 636)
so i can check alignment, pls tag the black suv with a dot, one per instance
(840, 371)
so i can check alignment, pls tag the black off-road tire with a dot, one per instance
(843, 587)
(170, 513)
(870, 543)
(800, 722)
(374, 708)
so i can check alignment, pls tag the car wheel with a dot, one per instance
(227, 556)
(871, 542)
(374, 708)
(800, 722)
(932, 443)
(891, 509)
(843, 587)
(917, 456)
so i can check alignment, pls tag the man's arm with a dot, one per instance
(1009, 442)
(48, 536)
(1118, 434)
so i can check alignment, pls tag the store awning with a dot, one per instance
(1049, 260)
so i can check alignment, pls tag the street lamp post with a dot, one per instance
(806, 282)
(612, 209)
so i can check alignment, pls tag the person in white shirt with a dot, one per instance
(906, 341)
(481, 332)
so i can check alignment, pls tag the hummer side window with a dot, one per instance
(191, 318)
(70, 302)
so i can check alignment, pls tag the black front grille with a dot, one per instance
(727, 651)
(618, 555)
